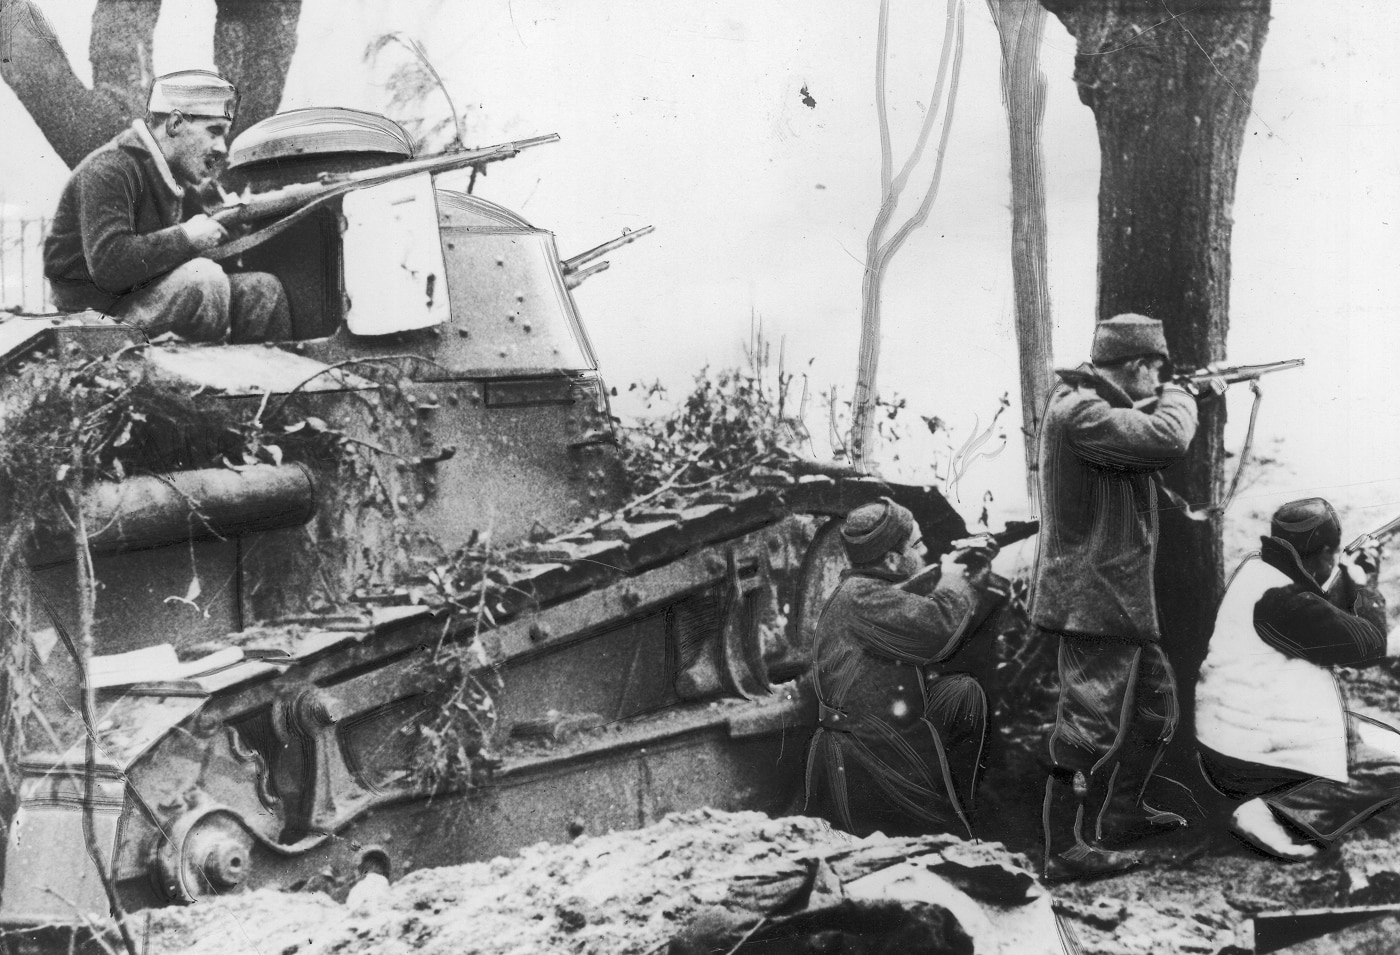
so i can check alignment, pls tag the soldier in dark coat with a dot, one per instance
(1093, 593)
(899, 742)
(130, 237)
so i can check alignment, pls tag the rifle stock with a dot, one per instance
(1013, 532)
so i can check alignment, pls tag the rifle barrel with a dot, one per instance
(290, 198)
(1234, 374)
(1381, 533)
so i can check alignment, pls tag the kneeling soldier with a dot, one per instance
(897, 748)
(1274, 729)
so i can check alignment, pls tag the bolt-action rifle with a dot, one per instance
(573, 268)
(294, 201)
(1234, 374)
(1198, 381)
(1380, 535)
(1015, 531)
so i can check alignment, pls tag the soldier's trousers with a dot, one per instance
(1322, 809)
(201, 302)
(1117, 711)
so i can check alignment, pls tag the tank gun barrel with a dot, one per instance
(575, 279)
(573, 265)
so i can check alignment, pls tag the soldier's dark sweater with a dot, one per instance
(117, 223)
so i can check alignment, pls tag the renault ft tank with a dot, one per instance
(271, 635)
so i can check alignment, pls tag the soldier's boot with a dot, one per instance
(1068, 855)
(1255, 823)
(1124, 817)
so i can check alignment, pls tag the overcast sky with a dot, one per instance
(691, 117)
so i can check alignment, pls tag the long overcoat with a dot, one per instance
(1098, 505)
(885, 723)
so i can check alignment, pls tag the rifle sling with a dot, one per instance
(1224, 505)
(1220, 507)
(254, 239)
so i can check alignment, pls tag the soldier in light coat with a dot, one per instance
(1271, 719)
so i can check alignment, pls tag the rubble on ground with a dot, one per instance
(694, 875)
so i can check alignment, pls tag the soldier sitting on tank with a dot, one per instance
(130, 237)
(900, 739)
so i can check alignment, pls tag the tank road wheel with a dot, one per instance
(822, 567)
(209, 852)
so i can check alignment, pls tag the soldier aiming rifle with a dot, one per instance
(1276, 733)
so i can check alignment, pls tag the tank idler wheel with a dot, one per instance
(209, 852)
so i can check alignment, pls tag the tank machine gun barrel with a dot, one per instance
(573, 268)
(239, 210)
(1234, 374)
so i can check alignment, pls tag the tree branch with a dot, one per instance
(878, 250)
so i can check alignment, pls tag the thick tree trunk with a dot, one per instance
(1021, 25)
(254, 41)
(1171, 90)
(74, 119)
(121, 50)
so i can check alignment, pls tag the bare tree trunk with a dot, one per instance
(1020, 26)
(1171, 88)
(74, 119)
(881, 244)
(121, 49)
(254, 41)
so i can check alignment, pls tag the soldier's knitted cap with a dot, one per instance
(1309, 525)
(873, 530)
(194, 93)
(1128, 336)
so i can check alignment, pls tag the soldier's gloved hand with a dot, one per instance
(972, 563)
(1361, 562)
(949, 567)
(978, 547)
(203, 232)
(1368, 554)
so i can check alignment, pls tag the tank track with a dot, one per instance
(646, 664)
